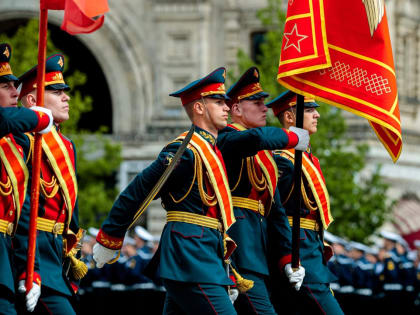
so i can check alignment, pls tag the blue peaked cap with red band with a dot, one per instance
(287, 100)
(248, 87)
(54, 80)
(212, 85)
(6, 74)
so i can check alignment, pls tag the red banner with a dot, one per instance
(79, 14)
(340, 53)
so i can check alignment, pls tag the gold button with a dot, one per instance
(260, 208)
(10, 227)
(10, 212)
(56, 228)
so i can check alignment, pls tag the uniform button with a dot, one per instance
(11, 212)
(62, 212)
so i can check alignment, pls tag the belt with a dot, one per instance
(309, 224)
(47, 225)
(250, 204)
(6, 227)
(192, 218)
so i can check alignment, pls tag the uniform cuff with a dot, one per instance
(284, 261)
(36, 278)
(293, 139)
(74, 287)
(43, 121)
(108, 241)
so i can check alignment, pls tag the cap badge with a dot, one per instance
(6, 52)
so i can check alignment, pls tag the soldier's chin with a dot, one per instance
(222, 125)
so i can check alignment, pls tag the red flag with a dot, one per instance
(340, 52)
(78, 14)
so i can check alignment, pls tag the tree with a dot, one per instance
(358, 204)
(97, 157)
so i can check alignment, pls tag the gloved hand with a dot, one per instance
(295, 277)
(102, 254)
(48, 113)
(233, 295)
(33, 295)
(303, 136)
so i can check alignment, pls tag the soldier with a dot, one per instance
(142, 237)
(341, 265)
(253, 180)
(198, 203)
(315, 213)
(58, 231)
(363, 277)
(13, 173)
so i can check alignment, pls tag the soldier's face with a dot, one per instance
(310, 120)
(217, 112)
(252, 113)
(57, 102)
(8, 94)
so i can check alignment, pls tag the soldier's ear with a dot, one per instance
(29, 100)
(235, 109)
(289, 117)
(198, 108)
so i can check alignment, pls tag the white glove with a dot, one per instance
(33, 295)
(49, 114)
(303, 136)
(295, 277)
(233, 295)
(102, 254)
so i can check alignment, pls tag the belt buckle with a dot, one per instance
(260, 208)
(56, 229)
(10, 227)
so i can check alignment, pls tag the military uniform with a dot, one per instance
(315, 216)
(259, 214)
(13, 179)
(57, 222)
(197, 199)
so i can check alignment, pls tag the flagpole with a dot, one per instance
(297, 180)
(36, 160)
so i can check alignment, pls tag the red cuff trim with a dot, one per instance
(74, 286)
(293, 139)
(109, 241)
(43, 121)
(284, 261)
(36, 279)
(232, 277)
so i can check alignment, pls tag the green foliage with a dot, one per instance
(359, 205)
(97, 157)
